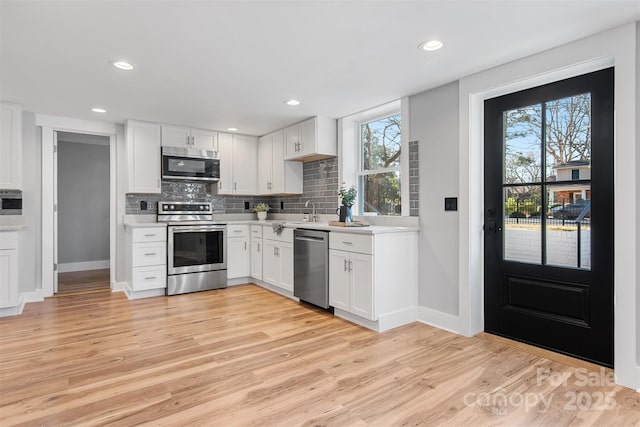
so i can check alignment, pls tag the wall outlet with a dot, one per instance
(246, 205)
(143, 205)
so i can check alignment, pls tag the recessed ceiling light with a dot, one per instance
(292, 102)
(98, 110)
(431, 45)
(232, 129)
(122, 65)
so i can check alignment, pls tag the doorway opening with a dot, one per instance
(81, 213)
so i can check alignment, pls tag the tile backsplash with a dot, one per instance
(320, 185)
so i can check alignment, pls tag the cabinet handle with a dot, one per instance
(235, 186)
(150, 254)
(347, 243)
(258, 247)
(350, 265)
(345, 265)
(149, 235)
(150, 278)
(158, 182)
(220, 185)
(245, 246)
(237, 231)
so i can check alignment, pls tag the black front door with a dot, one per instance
(548, 212)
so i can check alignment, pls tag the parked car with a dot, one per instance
(572, 210)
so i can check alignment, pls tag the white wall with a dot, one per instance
(638, 199)
(83, 202)
(31, 244)
(434, 124)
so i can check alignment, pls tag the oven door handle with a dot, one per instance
(189, 229)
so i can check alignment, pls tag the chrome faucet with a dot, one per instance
(314, 217)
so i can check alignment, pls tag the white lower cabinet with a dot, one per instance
(371, 281)
(351, 282)
(277, 258)
(256, 252)
(146, 261)
(238, 251)
(9, 296)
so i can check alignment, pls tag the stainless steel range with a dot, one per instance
(196, 248)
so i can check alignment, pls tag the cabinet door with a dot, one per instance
(204, 139)
(270, 264)
(8, 277)
(361, 275)
(175, 136)
(307, 137)
(237, 257)
(339, 279)
(292, 142)
(278, 171)
(285, 255)
(245, 164)
(256, 258)
(264, 164)
(10, 147)
(143, 148)
(225, 146)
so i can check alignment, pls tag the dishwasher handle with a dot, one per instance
(310, 238)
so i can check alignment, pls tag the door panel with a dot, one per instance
(549, 216)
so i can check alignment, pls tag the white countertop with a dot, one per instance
(141, 221)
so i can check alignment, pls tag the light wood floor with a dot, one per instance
(83, 281)
(246, 356)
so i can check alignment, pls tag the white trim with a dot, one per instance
(369, 324)
(50, 124)
(33, 296)
(148, 293)
(13, 310)
(614, 47)
(439, 319)
(83, 266)
(397, 318)
(118, 286)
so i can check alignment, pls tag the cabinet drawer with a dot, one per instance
(8, 239)
(149, 254)
(351, 242)
(149, 234)
(256, 231)
(149, 278)
(286, 235)
(237, 230)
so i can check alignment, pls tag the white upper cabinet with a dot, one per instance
(179, 136)
(143, 157)
(10, 147)
(276, 175)
(238, 164)
(313, 139)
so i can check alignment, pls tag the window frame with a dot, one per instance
(360, 172)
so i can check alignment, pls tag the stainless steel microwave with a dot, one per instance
(190, 164)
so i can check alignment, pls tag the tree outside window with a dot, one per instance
(379, 175)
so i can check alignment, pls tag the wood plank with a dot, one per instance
(247, 356)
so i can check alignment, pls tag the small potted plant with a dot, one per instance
(261, 209)
(348, 197)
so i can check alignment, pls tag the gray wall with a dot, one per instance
(31, 235)
(83, 202)
(434, 124)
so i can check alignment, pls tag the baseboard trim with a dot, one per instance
(240, 281)
(143, 294)
(275, 289)
(397, 318)
(83, 266)
(369, 324)
(439, 319)
(14, 310)
(117, 286)
(33, 296)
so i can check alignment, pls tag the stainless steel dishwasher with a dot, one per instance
(311, 266)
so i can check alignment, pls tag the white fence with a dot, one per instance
(524, 245)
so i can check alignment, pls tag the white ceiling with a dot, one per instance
(220, 64)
